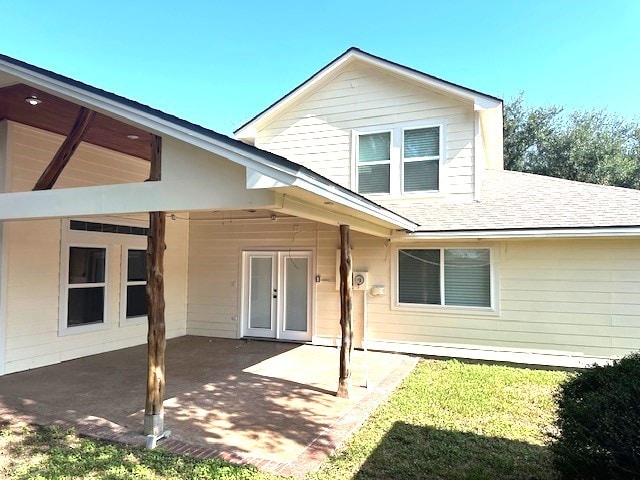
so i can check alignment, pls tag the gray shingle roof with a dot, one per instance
(515, 200)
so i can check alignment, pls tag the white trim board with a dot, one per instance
(5, 185)
(550, 358)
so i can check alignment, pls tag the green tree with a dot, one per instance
(588, 146)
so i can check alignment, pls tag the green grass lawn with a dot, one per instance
(453, 420)
(447, 420)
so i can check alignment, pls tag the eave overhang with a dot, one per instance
(260, 164)
(520, 233)
(480, 100)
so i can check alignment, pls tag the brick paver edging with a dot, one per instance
(309, 460)
(335, 436)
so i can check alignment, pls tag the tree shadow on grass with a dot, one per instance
(422, 452)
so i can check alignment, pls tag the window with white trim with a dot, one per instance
(86, 286)
(135, 283)
(421, 159)
(458, 277)
(403, 159)
(374, 162)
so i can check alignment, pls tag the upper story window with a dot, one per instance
(374, 162)
(421, 159)
(399, 160)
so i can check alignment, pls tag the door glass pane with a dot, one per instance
(136, 301)
(296, 276)
(86, 265)
(260, 289)
(137, 265)
(85, 305)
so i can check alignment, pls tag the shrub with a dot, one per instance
(599, 423)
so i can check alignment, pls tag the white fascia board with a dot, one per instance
(129, 198)
(480, 102)
(299, 208)
(520, 234)
(256, 180)
(143, 119)
(353, 201)
(249, 130)
(255, 162)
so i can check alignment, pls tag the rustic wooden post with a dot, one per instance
(156, 340)
(346, 312)
(66, 150)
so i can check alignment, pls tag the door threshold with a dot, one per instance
(278, 340)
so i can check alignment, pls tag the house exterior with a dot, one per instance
(452, 255)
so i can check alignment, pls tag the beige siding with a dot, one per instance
(215, 250)
(32, 149)
(33, 251)
(577, 297)
(316, 132)
(557, 299)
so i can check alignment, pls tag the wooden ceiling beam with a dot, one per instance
(66, 150)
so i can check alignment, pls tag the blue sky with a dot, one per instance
(219, 63)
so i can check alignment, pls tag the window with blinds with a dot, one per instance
(449, 276)
(398, 159)
(421, 159)
(374, 162)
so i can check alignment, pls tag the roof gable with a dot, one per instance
(281, 171)
(331, 70)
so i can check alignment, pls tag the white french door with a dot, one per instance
(277, 295)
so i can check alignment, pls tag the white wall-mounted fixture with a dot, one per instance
(360, 280)
(378, 290)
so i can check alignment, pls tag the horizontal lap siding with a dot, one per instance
(32, 149)
(316, 132)
(569, 297)
(215, 262)
(577, 297)
(33, 249)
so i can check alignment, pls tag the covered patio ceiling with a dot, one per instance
(58, 115)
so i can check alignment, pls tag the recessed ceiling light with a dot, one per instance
(328, 203)
(33, 100)
(133, 137)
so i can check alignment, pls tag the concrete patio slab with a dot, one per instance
(266, 403)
